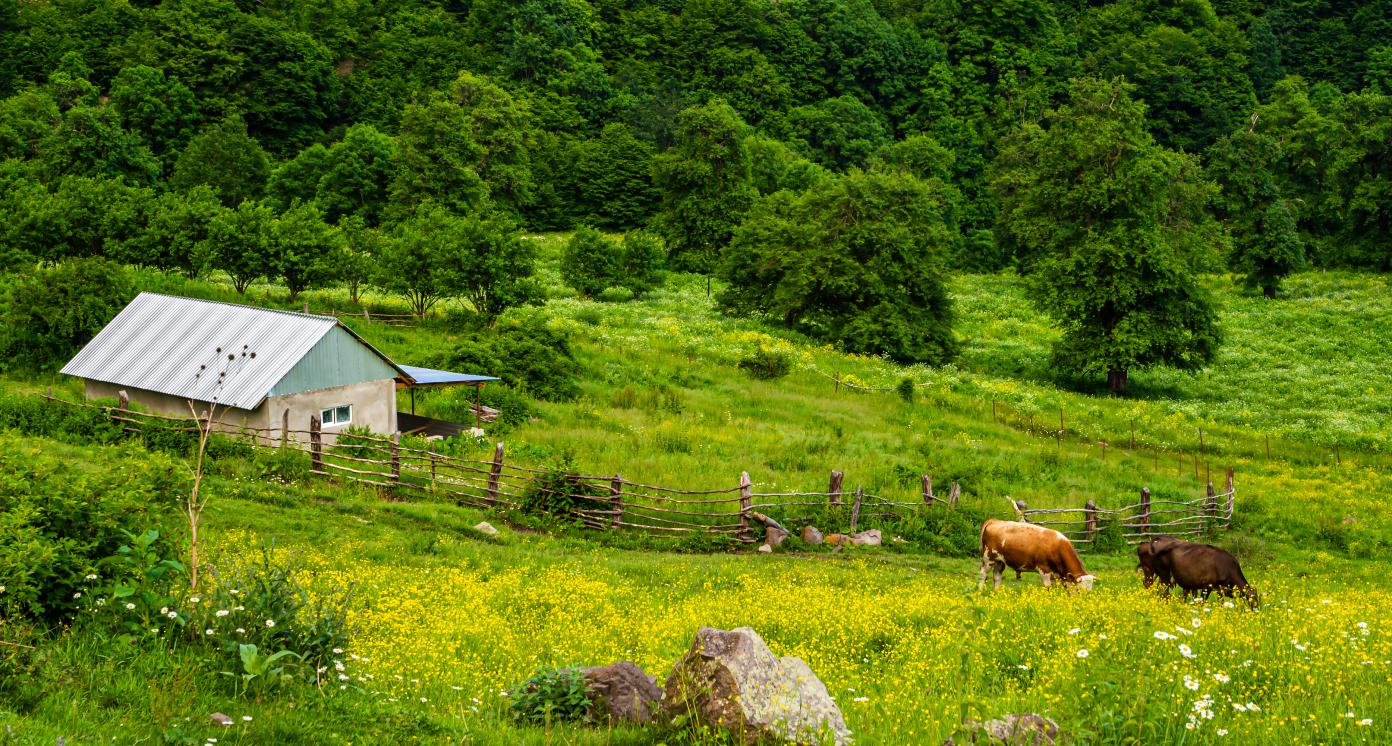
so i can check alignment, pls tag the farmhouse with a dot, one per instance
(255, 368)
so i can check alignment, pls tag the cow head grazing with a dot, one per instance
(1086, 581)
(1146, 561)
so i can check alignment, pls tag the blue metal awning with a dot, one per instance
(416, 376)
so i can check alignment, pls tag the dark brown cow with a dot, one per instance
(1025, 546)
(1196, 568)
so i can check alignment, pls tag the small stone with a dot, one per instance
(871, 538)
(220, 719)
(1015, 729)
(837, 539)
(774, 536)
(1349, 520)
(766, 549)
(810, 535)
(484, 527)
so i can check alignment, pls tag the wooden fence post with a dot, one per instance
(927, 489)
(1210, 501)
(953, 494)
(616, 499)
(746, 503)
(316, 445)
(855, 508)
(494, 475)
(1196, 466)
(837, 378)
(285, 427)
(1232, 492)
(834, 489)
(396, 458)
(122, 401)
(1020, 508)
(430, 448)
(1090, 519)
(1133, 433)
(1145, 511)
(366, 316)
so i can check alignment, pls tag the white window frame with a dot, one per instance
(328, 416)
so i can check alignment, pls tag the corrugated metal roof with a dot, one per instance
(430, 377)
(202, 350)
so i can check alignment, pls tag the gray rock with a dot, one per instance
(765, 548)
(774, 536)
(1016, 729)
(811, 535)
(731, 680)
(220, 719)
(486, 528)
(871, 538)
(622, 692)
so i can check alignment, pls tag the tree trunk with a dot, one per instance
(1116, 380)
(1269, 291)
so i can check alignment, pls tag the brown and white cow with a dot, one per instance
(1025, 546)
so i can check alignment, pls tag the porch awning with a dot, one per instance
(417, 377)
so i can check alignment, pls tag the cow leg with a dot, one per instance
(985, 567)
(999, 570)
(1045, 577)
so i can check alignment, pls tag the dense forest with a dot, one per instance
(830, 159)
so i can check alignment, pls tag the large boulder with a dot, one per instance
(731, 680)
(811, 535)
(621, 692)
(774, 536)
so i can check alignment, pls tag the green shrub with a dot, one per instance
(765, 364)
(286, 464)
(950, 531)
(524, 351)
(265, 600)
(58, 523)
(1111, 536)
(49, 316)
(616, 294)
(557, 493)
(33, 415)
(643, 256)
(551, 695)
(590, 262)
(905, 389)
(356, 441)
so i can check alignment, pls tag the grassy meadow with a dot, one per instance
(447, 620)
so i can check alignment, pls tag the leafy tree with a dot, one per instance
(590, 262)
(774, 166)
(435, 158)
(297, 180)
(500, 125)
(159, 109)
(705, 185)
(1266, 244)
(856, 260)
(362, 247)
(436, 255)
(308, 252)
(1111, 229)
(837, 133)
(1360, 177)
(615, 174)
(89, 141)
(357, 176)
(26, 119)
(242, 243)
(227, 159)
(642, 259)
(175, 238)
(83, 217)
(50, 315)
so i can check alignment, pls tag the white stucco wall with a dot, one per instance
(373, 402)
(374, 407)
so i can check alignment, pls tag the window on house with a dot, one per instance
(340, 415)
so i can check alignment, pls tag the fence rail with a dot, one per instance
(609, 503)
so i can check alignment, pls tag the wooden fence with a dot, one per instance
(1142, 521)
(610, 503)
